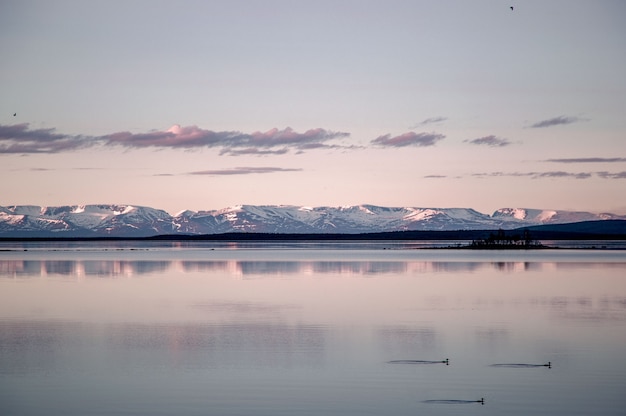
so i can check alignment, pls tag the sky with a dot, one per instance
(208, 104)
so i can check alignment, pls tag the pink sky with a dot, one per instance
(334, 103)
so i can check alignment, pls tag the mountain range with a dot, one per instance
(28, 221)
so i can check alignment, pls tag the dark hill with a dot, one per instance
(586, 230)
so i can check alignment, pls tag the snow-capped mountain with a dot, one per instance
(138, 221)
(84, 220)
(544, 216)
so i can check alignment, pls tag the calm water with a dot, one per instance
(310, 329)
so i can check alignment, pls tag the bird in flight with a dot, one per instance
(511, 7)
(14, 114)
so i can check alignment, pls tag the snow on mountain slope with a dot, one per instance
(138, 221)
(86, 220)
(539, 216)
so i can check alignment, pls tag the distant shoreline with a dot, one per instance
(475, 239)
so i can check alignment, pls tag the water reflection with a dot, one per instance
(270, 332)
(405, 341)
(586, 309)
(43, 346)
(130, 268)
(237, 344)
(37, 346)
(80, 268)
(493, 338)
(252, 309)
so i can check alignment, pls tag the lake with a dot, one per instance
(323, 328)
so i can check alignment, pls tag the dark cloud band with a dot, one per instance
(20, 139)
(589, 160)
(554, 174)
(408, 139)
(243, 171)
(431, 120)
(491, 141)
(556, 121)
(193, 137)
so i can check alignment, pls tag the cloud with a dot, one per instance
(281, 151)
(243, 171)
(556, 121)
(253, 151)
(408, 139)
(195, 137)
(554, 174)
(431, 120)
(491, 141)
(609, 175)
(589, 160)
(36, 169)
(560, 174)
(18, 138)
(435, 176)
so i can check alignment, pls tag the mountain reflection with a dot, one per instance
(129, 268)
(243, 268)
(78, 268)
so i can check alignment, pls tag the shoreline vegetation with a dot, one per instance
(502, 241)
